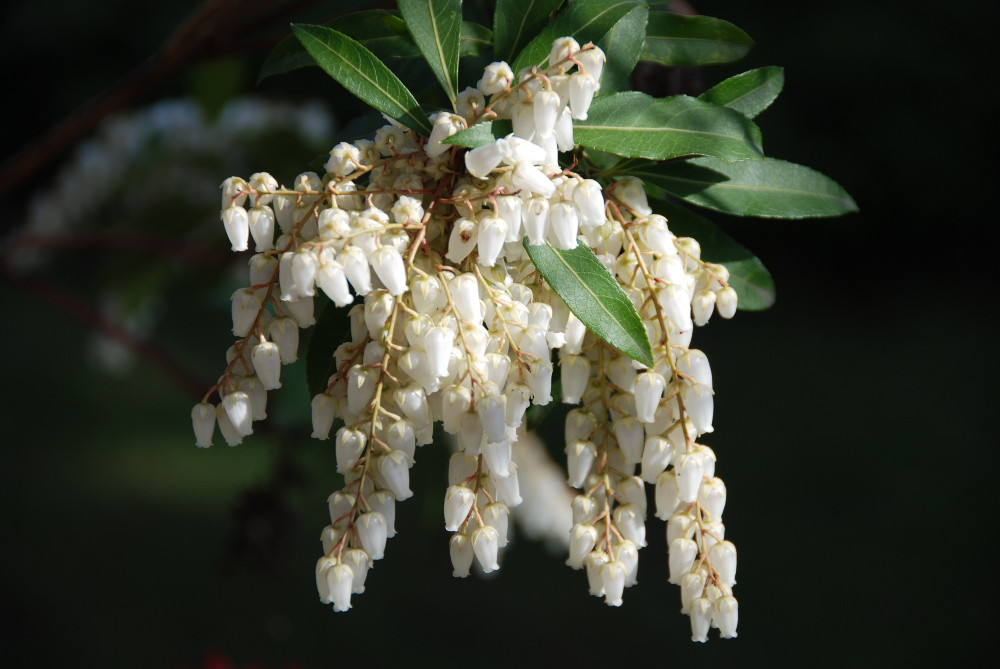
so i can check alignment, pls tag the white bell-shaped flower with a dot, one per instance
(388, 265)
(203, 420)
(491, 238)
(545, 108)
(497, 516)
(582, 539)
(692, 586)
(582, 87)
(246, 309)
(726, 302)
(239, 412)
(492, 414)
(700, 406)
(462, 554)
(725, 616)
(688, 468)
(680, 525)
(564, 224)
(357, 559)
(333, 281)
(394, 469)
(465, 297)
(261, 221)
(563, 48)
(323, 565)
(582, 509)
(267, 363)
(444, 126)
(285, 333)
(304, 266)
(340, 580)
(613, 575)
(629, 433)
(589, 200)
(574, 372)
(356, 269)
(712, 497)
(458, 500)
(593, 563)
(482, 160)
(701, 619)
(631, 192)
(702, 306)
(508, 487)
(486, 544)
(632, 490)
(226, 428)
(373, 533)
(384, 501)
(496, 78)
(592, 61)
(535, 219)
(532, 180)
(237, 225)
(564, 131)
(497, 456)
(350, 445)
(667, 495)
(517, 402)
(508, 207)
(302, 310)
(580, 457)
(361, 383)
(648, 392)
(722, 556)
(378, 308)
(681, 556)
(656, 455)
(629, 519)
(341, 504)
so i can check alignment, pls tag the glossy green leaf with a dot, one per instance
(766, 187)
(436, 27)
(635, 125)
(747, 274)
(749, 93)
(364, 75)
(333, 328)
(622, 45)
(481, 134)
(382, 32)
(475, 39)
(673, 39)
(590, 292)
(516, 22)
(585, 21)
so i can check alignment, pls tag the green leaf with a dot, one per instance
(436, 26)
(364, 75)
(475, 39)
(585, 21)
(482, 133)
(515, 22)
(590, 292)
(749, 93)
(766, 187)
(673, 39)
(333, 328)
(381, 32)
(747, 274)
(635, 125)
(622, 45)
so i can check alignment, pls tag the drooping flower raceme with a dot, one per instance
(451, 323)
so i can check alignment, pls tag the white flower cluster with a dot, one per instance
(457, 327)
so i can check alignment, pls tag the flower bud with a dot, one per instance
(574, 372)
(350, 445)
(267, 362)
(246, 309)
(458, 502)
(461, 551)
(358, 561)
(372, 532)
(580, 457)
(285, 333)
(667, 495)
(239, 412)
(482, 160)
(203, 419)
(725, 616)
(485, 544)
(648, 392)
(726, 302)
(237, 225)
(394, 468)
(261, 224)
(491, 238)
(722, 556)
(388, 265)
(701, 619)
(497, 516)
(630, 523)
(582, 87)
(356, 269)
(681, 554)
(613, 575)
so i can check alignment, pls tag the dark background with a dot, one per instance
(852, 419)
